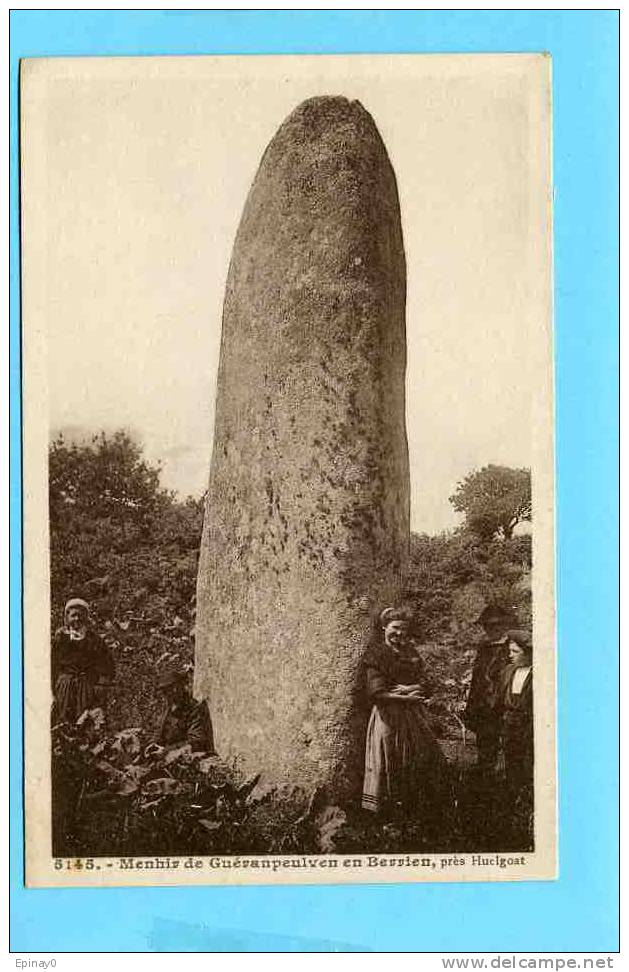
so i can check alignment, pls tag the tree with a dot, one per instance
(127, 545)
(114, 531)
(106, 478)
(494, 500)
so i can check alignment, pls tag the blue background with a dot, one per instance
(578, 912)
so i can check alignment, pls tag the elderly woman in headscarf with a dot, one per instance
(82, 666)
(405, 770)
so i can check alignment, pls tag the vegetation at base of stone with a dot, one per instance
(130, 548)
(116, 796)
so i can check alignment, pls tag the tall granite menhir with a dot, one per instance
(307, 518)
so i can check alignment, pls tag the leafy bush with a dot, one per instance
(452, 576)
(113, 796)
(116, 796)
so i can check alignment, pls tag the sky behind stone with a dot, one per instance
(147, 172)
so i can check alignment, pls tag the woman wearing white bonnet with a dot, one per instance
(82, 666)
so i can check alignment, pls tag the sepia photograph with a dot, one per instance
(289, 610)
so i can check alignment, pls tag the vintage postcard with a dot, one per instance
(288, 469)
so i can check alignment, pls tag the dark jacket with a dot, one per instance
(485, 699)
(90, 657)
(187, 721)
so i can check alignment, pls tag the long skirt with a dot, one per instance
(73, 695)
(404, 765)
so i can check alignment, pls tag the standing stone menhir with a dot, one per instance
(307, 518)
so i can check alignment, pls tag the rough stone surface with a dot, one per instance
(307, 518)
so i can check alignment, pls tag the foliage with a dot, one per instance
(131, 549)
(494, 499)
(118, 796)
(115, 796)
(116, 536)
(452, 576)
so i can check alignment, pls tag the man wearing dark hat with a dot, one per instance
(185, 720)
(483, 712)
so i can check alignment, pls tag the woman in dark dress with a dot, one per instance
(82, 666)
(517, 726)
(405, 769)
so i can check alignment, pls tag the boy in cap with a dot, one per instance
(185, 720)
(483, 712)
